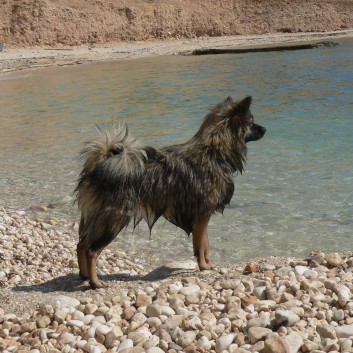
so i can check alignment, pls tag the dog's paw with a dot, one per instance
(206, 266)
(98, 284)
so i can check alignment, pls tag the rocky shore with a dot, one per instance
(267, 305)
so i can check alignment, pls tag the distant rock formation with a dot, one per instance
(26, 23)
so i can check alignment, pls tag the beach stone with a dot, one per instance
(261, 321)
(173, 321)
(143, 299)
(110, 339)
(349, 307)
(338, 315)
(248, 300)
(176, 303)
(240, 350)
(326, 331)
(334, 259)
(229, 284)
(283, 271)
(87, 319)
(154, 322)
(343, 293)
(175, 287)
(331, 345)
(63, 301)
(10, 317)
(318, 257)
(276, 344)
(77, 315)
(138, 338)
(204, 343)
(126, 343)
(46, 310)
(99, 319)
(310, 346)
(251, 267)
(167, 310)
(182, 265)
(145, 331)
(103, 330)
(90, 308)
(295, 341)
(232, 303)
(310, 274)
(28, 327)
(185, 339)
(154, 310)
(257, 333)
(299, 270)
(66, 338)
(139, 318)
(346, 345)
(155, 350)
(330, 283)
(260, 292)
(43, 321)
(286, 317)
(101, 311)
(75, 323)
(193, 322)
(190, 290)
(163, 335)
(223, 342)
(192, 299)
(344, 331)
(9, 345)
(137, 349)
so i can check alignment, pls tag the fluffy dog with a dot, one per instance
(122, 181)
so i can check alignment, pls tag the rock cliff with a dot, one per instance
(25, 23)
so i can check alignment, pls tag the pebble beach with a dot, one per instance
(266, 305)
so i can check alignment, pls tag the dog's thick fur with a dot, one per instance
(122, 181)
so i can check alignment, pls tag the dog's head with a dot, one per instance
(227, 128)
(241, 121)
(233, 120)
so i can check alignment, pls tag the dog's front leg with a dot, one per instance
(94, 281)
(201, 244)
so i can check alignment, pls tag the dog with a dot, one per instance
(122, 181)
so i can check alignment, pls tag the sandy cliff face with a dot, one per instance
(76, 22)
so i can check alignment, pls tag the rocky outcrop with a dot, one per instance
(26, 23)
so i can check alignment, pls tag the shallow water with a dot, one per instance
(296, 194)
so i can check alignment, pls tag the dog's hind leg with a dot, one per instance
(81, 250)
(201, 244)
(110, 229)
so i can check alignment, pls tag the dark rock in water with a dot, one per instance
(326, 44)
(257, 49)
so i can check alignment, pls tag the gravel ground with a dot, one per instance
(267, 305)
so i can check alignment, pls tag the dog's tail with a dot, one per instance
(113, 165)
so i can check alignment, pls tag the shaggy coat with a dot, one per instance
(122, 181)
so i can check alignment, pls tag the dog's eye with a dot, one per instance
(116, 150)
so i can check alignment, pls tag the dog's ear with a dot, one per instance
(243, 106)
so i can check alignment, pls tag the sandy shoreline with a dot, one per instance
(31, 58)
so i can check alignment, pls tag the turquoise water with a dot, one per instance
(296, 194)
